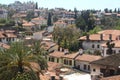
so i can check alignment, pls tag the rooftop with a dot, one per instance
(57, 54)
(98, 37)
(70, 56)
(87, 57)
(115, 32)
(113, 61)
(117, 44)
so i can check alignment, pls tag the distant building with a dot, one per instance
(60, 24)
(39, 21)
(3, 13)
(18, 6)
(7, 36)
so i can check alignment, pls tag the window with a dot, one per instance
(64, 61)
(88, 67)
(49, 58)
(67, 62)
(93, 46)
(57, 60)
(98, 46)
(94, 70)
(70, 62)
(84, 67)
(52, 59)
(13, 39)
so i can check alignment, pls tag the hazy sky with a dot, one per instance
(71, 4)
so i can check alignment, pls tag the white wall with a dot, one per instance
(104, 51)
(81, 64)
(37, 35)
(88, 45)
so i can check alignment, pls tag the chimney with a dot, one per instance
(101, 37)
(87, 37)
(80, 51)
(110, 37)
(66, 51)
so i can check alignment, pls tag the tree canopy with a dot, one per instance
(17, 60)
(67, 37)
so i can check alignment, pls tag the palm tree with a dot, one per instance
(17, 61)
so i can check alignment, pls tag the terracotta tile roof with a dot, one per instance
(10, 35)
(49, 36)
(38, 18)
(48, 45)
(28, 24)
(117, 77)
(117, 44)
(113, 60)
(44, 77)
(35, 66)
(87, 57)
(118, 15)
(9, 31)
(24, 21)
(1, 35)
(52, 66)
(57, 54)
(70, 56)
(19, 15)
(98, 37)
(3, 45)
(115, 32)
(60, 22)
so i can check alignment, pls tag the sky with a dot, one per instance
(71, 4)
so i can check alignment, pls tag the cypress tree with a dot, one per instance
(36, 6)
(49, 23)
(75, 10)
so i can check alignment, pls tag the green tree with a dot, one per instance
(55, 18)
(67, 38)
(36, 6)
(110, 46)
(30, 15)
(115, 11)
(75, 11)
(95, 30)
(17, 60)
(80, 23)
(85, 21)
(49, 22)
(106, 10)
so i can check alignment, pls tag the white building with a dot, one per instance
(93, 42)
(82, 61)
(105, 67)
(3, 13)
(116, 48)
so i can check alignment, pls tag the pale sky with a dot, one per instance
(71, 4)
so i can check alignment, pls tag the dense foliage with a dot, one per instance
(85, 21)
(16, 61)
(67, 37)
(6, 22)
